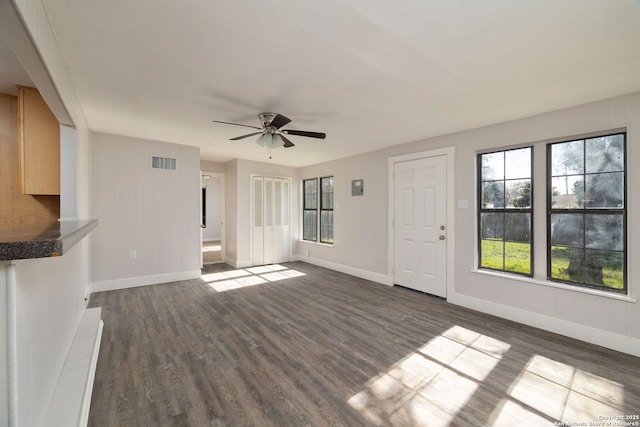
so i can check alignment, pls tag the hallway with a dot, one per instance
(211, 252)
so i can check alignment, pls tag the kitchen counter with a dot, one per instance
(43, 240)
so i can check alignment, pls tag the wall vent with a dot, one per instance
(163, 162)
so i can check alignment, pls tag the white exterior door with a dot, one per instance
(420, 229)
(270, 220)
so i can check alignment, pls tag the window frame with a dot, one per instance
(323, 209)
(306, 209)
(504, 211)
(584, 210)
(318, 209)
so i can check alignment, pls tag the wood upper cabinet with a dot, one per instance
(39, 135)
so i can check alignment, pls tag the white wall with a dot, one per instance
(359, 222)
(154, 212)
(68, 178)
(214, 167)
(47, 289)
(4, 345)
(360, 225)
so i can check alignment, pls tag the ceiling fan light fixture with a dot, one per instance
(277, 141)
(269, 140)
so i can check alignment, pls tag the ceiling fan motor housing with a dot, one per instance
(266, 118)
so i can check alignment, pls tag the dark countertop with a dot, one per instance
(43, 240)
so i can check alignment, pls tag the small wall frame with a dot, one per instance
(357, 187)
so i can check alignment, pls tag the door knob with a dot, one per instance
(442, 227)
(441, 237)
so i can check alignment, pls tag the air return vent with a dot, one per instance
(163, 163)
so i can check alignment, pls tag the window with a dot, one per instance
(317, 204)
(505, 210)
(310, 210)
(326, 209)
(587, 214)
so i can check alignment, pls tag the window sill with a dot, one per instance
(589, 291)
(311, 242)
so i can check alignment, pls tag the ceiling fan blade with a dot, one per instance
(287, 142)
(235, 124)
(279, 120)
(244, 136)
(320, 135)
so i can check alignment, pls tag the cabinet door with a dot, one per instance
(39, 133)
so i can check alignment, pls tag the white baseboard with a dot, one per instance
(346, 269)
(622, 343)
(238, 264)
(132, 282)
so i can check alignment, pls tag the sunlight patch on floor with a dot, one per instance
(429, 386)
(241, 278)
(209, 248)
(434, 384)
(561, 392)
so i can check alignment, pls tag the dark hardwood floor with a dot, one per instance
(299, 345)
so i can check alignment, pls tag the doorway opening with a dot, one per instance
(211, 251)
(212, 222)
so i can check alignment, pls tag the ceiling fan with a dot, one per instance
(271, 134)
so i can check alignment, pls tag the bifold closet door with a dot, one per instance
(257, 221)
(270, 220)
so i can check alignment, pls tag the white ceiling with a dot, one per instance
(368, 73)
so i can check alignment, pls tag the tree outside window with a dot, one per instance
(587, 215)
